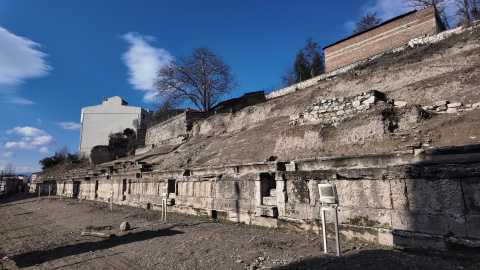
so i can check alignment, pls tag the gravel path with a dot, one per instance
(45, 234)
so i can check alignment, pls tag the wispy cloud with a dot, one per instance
(7, 154)
(32, 137)
(24, 168)
(44, 150)
(143, 60)
(20, 60)
(39, 121)
(70, 125)
(385, 9)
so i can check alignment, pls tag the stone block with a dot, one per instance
(340, 112)
(441, 108)
(473, 226)
(385, 238)
(454, 105)
(429, 223)
(443, 195)
(370, 100)
(476, 105)
(400, 104)
(452, 110)
(269, 200)
(440, 103)
(471, 193)
(296, 116)
(418, 240)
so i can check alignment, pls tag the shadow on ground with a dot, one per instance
(38, 257)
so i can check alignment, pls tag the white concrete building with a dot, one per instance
(112, 116)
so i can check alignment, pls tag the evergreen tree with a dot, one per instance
(309, 63)
(301, 68)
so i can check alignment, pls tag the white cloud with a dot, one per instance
(19, 145)
(39, 121)
(32, 137)
(143, 61)
(27, 131)
(19, 59)
(70, 125)
(44, 150)
(43, 140)
(385, 9)
(8, 154)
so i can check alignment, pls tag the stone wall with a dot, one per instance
(173, 130)
(415, 42)
(385, 37)
(428, 200)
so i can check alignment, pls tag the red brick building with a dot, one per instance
(382, 38)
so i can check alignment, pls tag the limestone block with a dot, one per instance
(296, 116)
(471, 193)
(441, 108)
(443, 195)
(356, 103)
(476, 105)
(440, 103)
(269, 200)
(340, 112)
(452, 110)
(366, 217)
(370, 100)
(296, 210)
(399, 196)
(454, 105)
(418, 240)
(430, 223)
(385, 238)
(473, 226)
(400, 104)
(298, 191)
(363, 193)
(316, 108)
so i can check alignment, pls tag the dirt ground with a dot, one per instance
(42, 233)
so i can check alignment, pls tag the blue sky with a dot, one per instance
(58, 56)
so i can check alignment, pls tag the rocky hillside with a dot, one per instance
(410, 117)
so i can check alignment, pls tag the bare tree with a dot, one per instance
(440, 5)
(467, 11)
(288, 78)
(9, 169)
(202, 78)
(366, 22)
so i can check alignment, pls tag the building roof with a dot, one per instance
(370, 29)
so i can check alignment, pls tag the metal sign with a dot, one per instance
(329, 200)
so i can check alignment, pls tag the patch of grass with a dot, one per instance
(3, 231)
(472, 52)
(207, 158)
(374, 244)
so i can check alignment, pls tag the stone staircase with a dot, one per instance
(269, 205)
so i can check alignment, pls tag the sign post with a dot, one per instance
(329, 200)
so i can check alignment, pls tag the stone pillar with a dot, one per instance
(281, 193)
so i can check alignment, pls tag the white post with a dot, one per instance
(38, 191)
(19, 189)
(49, 188)
(111, 199)
(336, 232)
(325, 244)
(80, 195)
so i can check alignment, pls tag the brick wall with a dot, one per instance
(383, 38)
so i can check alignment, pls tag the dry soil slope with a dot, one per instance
(449, 70)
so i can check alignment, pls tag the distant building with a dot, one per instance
(35, 176)
(112, 116)
(11, 183)
(387, 36)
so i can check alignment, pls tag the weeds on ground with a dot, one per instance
(374, 244)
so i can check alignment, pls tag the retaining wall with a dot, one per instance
(426, 200)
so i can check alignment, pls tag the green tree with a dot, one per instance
(308, 63)
(164, 111)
